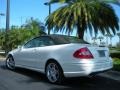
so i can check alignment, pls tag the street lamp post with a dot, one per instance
(48, 4)
(7, 26)
(7, 15)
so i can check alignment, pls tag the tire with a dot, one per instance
(10, 63)
(54, 73)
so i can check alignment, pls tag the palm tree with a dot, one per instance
(117, 2)
(35, 26)
(118, 36)
(82, 15)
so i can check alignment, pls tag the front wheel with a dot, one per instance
(10, 63)
(54, 73)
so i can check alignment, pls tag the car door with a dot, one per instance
(27, 53)
(33, 53)
(42, 51)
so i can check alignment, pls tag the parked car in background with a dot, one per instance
(59, 56)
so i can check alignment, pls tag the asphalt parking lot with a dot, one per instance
(22, 79)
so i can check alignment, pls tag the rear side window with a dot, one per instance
(45, 41)
(61, 39)
(76, 40)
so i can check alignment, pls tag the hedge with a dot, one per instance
(115, 55)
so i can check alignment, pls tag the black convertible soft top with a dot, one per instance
(64, 39)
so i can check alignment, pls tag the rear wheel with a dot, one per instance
(10, 63)
(54, 73)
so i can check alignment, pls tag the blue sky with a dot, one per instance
(24, 9)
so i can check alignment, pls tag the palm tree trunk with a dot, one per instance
(80, 29)
(80, 32)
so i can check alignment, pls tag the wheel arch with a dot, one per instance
(53, 60)
(6, 62)
(9, 55)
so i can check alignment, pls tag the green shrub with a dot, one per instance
(18, 35)
(116, 62)
(115, 55)
(2, 55)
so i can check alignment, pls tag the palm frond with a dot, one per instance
(83, 14)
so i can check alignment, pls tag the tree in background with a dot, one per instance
(18, 35)
(2, 38)
(118, 36)
(35, 26)
(83, 15)
(117, 2)
(118, 44)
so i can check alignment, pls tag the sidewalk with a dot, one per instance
(115, 75)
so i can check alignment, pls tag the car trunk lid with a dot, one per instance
(100, 54)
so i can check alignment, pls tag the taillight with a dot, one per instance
(83, 53)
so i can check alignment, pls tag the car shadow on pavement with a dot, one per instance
(33, 75)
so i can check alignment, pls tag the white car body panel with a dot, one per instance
(36, 58)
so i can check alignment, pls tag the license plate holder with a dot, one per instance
(101, 53)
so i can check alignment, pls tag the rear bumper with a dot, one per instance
(76, 70)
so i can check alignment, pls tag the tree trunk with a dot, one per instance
(80, 33)
(80, 29)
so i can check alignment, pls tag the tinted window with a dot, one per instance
(31, 43)
(76, 40)
(39, 42)
(45, 41)
(60, 39)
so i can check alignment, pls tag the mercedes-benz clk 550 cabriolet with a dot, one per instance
(59, 56)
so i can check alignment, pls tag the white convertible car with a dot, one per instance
(59, 56)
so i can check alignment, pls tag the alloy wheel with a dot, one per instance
(10, 63)
(53, 72)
